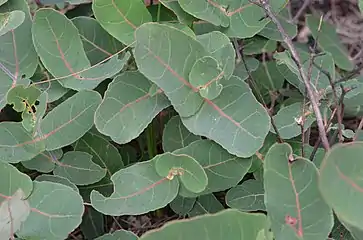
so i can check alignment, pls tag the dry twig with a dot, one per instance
(264, 4)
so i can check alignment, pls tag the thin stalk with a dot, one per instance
(159, 12)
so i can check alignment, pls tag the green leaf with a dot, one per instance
(92, 225)
(329, 41)
(235, 119)
(127, 107)
(22, 98)
(257, 45)
(97, 43)
(16, 144)
(166, 55)
(206, 204)
(119, 235)
(13, 211)
(121, 18)
(186, 168)
(34, 113)
(182, 205)
(182, 16)
(79, 168)
(292, 198)
(104, 153)
(2, 2)
(70, 120)
(205, 76)
(220, 47)
(135, 191)
(10, 21)
(56, 179)
(340, 179)
(287, 120)
(339, 231)
(240, 18)
(318, 81)
(174, 139)
(247, 197)
(214, 12)
(64, 56)
(12, 179)
(268, 76)
(229, 224)
(240, 70)
(47, 222)
(18, 57)
(44, 162)
(270, 31)
(223, 169)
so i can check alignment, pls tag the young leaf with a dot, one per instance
(166, 55)
(10, 21)
(121, 18)
(135, 191)
(79, 168)
(22, 98)
(18, 57)
(47, 222)
(247, 197)
(235, 119)
(329, 41)
(70, 120)
(340, 179)
(13, 211)
(118, 235)
(292, 198)
(64, 54)
(220, 47)
(44, 162)
(17, 144)
(186, 168)
(172, 140)
(223, 169)
(228, 224)
(128, 108)
(205, 76)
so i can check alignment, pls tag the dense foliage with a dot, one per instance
(205, 108)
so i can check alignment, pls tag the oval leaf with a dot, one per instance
(228, 224)
(70, 120)
(187, 169)
(128, 107)
(235, 119)
(340, 179)
(121, 18)
(135, 189)
(172, 139)
(292, 198)
(79, 168)
(47, 222)
(223, 169)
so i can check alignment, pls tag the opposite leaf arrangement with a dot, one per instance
(205, 108)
